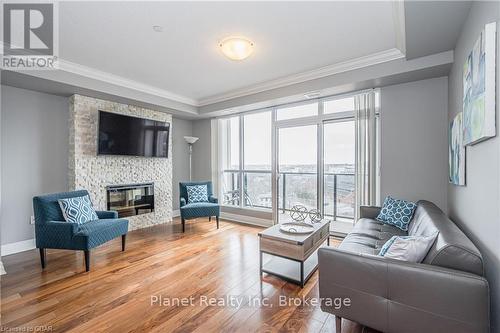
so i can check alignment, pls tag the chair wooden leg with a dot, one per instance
(87, 260)
(183, 224)
(217, 218)
(124, 237)
(42, 257)
(209, 218)
(338, 324)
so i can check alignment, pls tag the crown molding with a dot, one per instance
(341, 67)
(89, 72)
(345, 66)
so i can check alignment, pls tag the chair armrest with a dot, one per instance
(369, 212)
(182, 202)
(107, 214)
(55, 234)
(62, 228)
(213, 199)
(395, 291)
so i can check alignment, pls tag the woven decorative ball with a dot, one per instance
(315, 215)
(298, 213)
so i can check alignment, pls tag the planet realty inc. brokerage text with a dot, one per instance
(234, 301)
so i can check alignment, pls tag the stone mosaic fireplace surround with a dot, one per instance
(93, 173)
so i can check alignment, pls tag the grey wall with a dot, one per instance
(34, 148)
(180, 155)
(202, 150)
(476, 207)
(414, 141)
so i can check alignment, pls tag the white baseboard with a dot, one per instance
(246, 219)
(17, 247)
(2, 269)
(176, 213)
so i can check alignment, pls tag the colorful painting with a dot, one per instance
(456, 152)
(479, 88)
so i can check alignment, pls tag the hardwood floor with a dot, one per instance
(118, 292)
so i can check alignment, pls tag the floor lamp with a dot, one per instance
(190, 141)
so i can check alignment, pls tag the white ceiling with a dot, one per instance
(290, 38)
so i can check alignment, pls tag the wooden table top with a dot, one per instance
(275, 233)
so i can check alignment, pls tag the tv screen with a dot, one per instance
(132, 136)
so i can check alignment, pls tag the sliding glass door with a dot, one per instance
(338, 171)
(297, 171)
(315, 160)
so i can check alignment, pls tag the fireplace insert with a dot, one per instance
(132, 199)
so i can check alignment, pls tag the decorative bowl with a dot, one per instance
(296, 228)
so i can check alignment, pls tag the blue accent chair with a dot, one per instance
(53, 232)
(198, 209)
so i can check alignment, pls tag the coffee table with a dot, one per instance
(292, 257)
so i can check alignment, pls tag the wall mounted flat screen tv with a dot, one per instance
(132, 136)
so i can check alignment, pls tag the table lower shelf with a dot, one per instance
(289, 269)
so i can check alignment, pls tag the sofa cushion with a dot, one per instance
(78, 210)
(197, 193)
(368, 236)
(407, 248)
(200, 209)
(97, 232)
(397, 212)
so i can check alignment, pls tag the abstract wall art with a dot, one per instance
(479, 88)
(456, 152)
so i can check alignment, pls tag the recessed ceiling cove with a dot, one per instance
(184, 59)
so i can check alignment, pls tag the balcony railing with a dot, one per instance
(294, 188)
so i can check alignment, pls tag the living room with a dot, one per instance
(216, 166)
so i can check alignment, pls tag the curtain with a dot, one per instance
(366, 145)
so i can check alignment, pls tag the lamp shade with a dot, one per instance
(190, 139)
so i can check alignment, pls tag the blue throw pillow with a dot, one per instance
(78, 210)
(197, 193)
(397, 212)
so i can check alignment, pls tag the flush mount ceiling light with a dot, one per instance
(236, 48)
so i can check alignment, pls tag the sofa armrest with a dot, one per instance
(182, 202)
(400, 294)
(369, 212)
(213, 199)
(107, 214)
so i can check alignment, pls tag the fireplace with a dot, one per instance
(132, 199)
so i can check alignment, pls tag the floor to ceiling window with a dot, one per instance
(297, 154)
(246, 160)
(256, 171)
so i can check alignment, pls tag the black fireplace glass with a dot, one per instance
(130, 200)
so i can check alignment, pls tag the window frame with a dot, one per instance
(241, 171)
(320, 119)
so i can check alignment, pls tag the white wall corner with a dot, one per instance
(398, 16)
(17, 247)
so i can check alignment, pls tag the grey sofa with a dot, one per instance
(445, 293)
